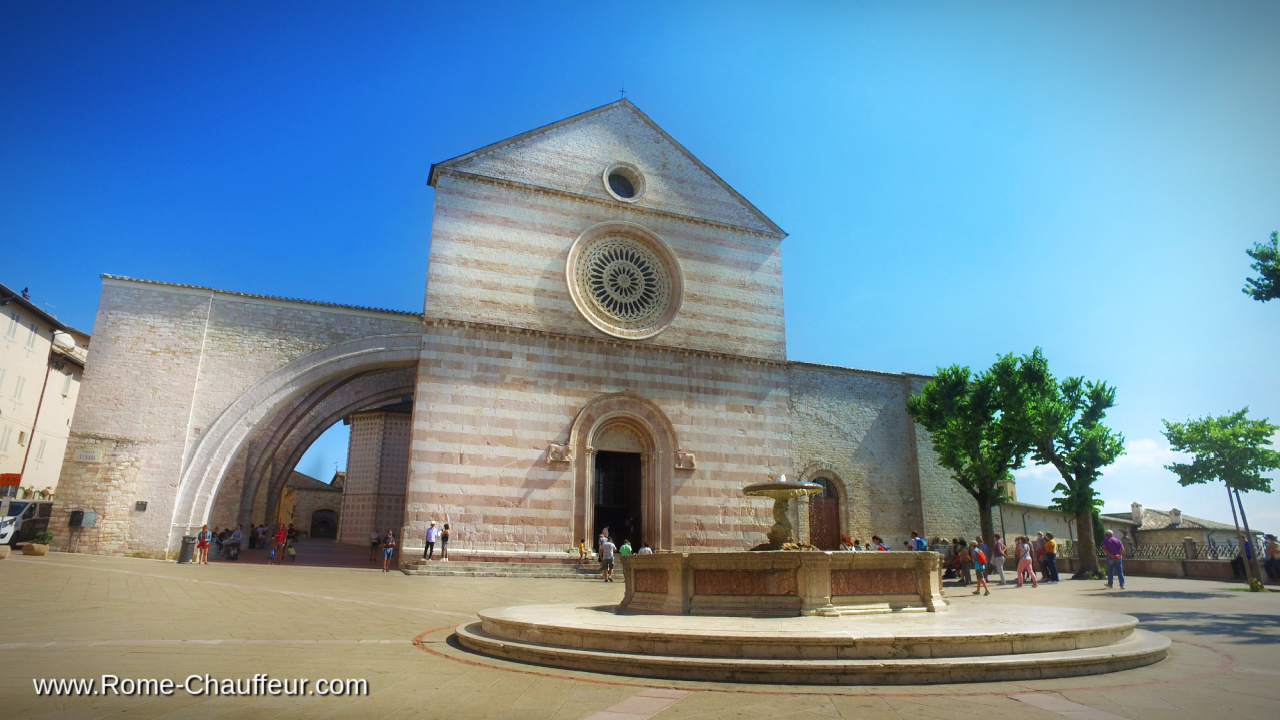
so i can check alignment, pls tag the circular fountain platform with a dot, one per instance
(976, 643)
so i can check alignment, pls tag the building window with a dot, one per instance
(14, 322)
(1, 379)
(40, 449)
(31, 339)
(22, 437)
(4, 440)
(17, 388)
(66, 385)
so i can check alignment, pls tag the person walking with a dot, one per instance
(388, 549)
(429, 551)
(997, 557)
(979, 568)
(582, 551)
(1024, 561)
(444, 543)
(1272, 562)
(1114, 550)
(607, 549)
(375, 543)
(203, 538)
(1050, 559)
(966, 563)
(1037, 553)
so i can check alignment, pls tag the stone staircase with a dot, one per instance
(471, 568)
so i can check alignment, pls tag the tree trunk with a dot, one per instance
(1086, 551)
(1248, 571)
(984, 523)
(1248, 535)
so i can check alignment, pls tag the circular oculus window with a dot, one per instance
(623, 182)
(624, 280)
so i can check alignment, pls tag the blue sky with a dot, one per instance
(958, 181)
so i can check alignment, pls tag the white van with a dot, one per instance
(25, 519)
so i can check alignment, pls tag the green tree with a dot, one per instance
(1064, 421)
(1267, 264)
(1231, 448)
(974, 424)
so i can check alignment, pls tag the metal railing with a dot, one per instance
(1160, 551)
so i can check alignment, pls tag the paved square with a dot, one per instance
(81, 616)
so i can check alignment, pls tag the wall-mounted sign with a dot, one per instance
(88, 455)
(10, 479)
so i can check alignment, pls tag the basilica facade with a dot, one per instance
(601, 343)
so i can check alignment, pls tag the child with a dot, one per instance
(292, 553)
(582, 550)
(979, 568)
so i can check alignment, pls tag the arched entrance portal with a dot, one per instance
(618, 488)
(624, 450)
(324, 524)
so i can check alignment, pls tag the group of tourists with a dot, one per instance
(606, 550)
(971, 562)
(914, 544)
(279, 543)
(226, 540)
(386, 545)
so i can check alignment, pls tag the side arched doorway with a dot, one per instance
(824, 516)
(324, 524)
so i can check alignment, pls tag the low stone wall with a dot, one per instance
(782, 584)
(1151, 567)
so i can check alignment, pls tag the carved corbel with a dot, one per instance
(559, 454)
(686, 461)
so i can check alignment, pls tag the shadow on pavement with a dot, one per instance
(1159, 594)
(1238, 627)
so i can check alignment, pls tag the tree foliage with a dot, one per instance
(1267, 264)
(975, 425)
(1231, 448)
(1065, 423)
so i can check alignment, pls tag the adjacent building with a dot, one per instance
(41, 364)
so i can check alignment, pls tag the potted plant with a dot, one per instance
(41, 544)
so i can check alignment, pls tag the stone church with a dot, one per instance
(601, 343)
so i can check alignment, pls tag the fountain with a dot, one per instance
(834, 618)
(781, 536)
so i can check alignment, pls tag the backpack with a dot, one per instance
(980, 558)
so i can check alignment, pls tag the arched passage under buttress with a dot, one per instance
(644, 422)
(286, 407)
(251, 492)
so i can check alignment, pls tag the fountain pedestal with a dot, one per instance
(783, 584)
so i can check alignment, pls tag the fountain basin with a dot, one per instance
(783, 584)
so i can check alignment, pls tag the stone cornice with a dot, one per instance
(122, 281)
(606, 341)
(842, 368)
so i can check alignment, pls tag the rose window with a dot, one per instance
(622, 284)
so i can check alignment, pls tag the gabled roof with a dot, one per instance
(464, 159)
(300, 481)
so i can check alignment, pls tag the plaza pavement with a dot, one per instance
(80, 616)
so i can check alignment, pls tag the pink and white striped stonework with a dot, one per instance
(528, 400)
